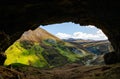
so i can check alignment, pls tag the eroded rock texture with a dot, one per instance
(19, 16)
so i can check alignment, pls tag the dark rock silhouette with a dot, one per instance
(2, 59)
(111, 58)
(19, 16)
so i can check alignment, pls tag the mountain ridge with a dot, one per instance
(39, 48)
(37, 35)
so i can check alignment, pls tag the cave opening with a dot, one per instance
(34, 46)
(30, 14)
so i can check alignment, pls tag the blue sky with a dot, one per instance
(71, 30)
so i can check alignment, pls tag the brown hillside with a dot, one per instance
(37, 35)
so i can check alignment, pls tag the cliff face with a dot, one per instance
(19, 16)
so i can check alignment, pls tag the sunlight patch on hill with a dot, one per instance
(17, 54)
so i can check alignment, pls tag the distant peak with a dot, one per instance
(38, 35)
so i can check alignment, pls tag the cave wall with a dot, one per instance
(19, 16)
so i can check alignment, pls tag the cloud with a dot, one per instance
(82, 35)
(90, 26)
(99, 35)
(63, 35)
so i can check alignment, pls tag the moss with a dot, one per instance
(49, 53)
(63, 49)
(53, 57)
(26, 44)
(14, 65)
(18, 54)
(65, 52)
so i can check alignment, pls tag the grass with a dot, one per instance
(18, 54)
(49, 53)
(71, 56)
(62, 49)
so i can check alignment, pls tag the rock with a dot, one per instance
(110, 58)
(19, 16)
(2, 59)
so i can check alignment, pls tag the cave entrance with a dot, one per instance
(65, 42)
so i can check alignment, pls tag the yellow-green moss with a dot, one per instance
(17, 54)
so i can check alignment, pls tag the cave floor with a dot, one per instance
(69, 71)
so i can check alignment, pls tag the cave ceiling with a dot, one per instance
(19, 16)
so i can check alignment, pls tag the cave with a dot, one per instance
(19, 16)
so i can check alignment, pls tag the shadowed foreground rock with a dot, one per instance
(71, 71)
(2, 59)
(110, 58)
(19, 16)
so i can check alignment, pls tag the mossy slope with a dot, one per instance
(39, 48)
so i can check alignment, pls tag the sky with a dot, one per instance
(71, 30)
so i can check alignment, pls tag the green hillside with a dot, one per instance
(17, 53)
(38, 48)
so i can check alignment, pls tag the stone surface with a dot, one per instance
(2, 58)
(19, 16)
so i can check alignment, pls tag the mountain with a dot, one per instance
(77, 40)
(38, 35)
(39, 48)
(98, 48)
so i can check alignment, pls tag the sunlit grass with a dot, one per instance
(71, 57)
(49, 53)
(17, 54)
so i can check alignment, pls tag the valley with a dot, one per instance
(41, 49)
(40, 55)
